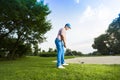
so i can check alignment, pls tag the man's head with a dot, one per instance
(67, 26)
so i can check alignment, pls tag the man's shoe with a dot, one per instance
(65, 64)
(61, 67)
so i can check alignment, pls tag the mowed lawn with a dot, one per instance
(40, 68)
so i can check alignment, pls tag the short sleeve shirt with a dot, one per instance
(62, 31)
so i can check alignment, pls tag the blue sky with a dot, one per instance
(88, 18)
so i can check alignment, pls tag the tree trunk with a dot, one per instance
(13, 50)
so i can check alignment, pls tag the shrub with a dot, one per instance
(48, 54)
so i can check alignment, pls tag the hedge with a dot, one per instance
(48, 54)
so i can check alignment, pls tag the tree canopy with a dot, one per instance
(109, 42)
(22, 22)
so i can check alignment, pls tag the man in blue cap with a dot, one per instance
(60, 42)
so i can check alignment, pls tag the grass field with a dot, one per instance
(39, 68)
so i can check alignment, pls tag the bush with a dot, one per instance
(73, 53)
(48, 54)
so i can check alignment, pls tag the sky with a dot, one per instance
(88, 19)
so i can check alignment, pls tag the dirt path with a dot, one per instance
(95, 60)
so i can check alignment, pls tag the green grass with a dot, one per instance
(39, 68)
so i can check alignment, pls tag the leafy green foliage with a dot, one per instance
(100, 45)
(21, 49)
(69, 52)
(109, 42)
(114, 33)
(48, 54)
(22, 21)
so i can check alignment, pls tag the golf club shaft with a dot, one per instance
(72, 54)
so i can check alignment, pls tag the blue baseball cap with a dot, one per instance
(68, 25)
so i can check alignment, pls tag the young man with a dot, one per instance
(60, 42)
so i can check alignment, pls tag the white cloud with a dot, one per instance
(77, 1)
(88, 12)
(94, 14)
(92, 23)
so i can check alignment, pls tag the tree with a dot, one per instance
(22, 21)
(36, 50)
(109, 42)
(50, 50)
(43, 51)
(99, 44)
(55, 50)
(114, 34)
(69, 52)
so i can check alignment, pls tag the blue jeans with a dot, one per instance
(60, 52)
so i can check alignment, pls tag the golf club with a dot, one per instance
(72, 54)
(75, 57)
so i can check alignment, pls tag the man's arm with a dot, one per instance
(63, 36)
(64, 40)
